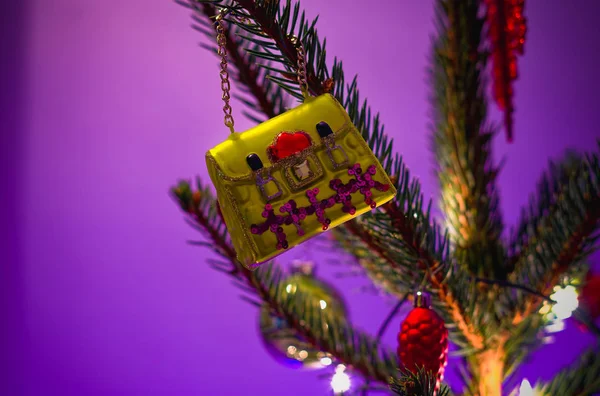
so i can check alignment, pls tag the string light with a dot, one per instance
(566, 301)
(323, 304)
(526, 389)
(340, 382)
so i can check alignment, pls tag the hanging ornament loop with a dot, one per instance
(422, 300)
(225, 85)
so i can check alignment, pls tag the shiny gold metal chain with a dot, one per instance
(301, 72)
(225, 85)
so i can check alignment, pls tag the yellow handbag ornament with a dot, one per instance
(294, 176)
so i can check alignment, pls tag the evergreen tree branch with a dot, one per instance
(377, 263)
(462, 139)
(559, 231)
(510, 285)
(541, 203)
(555, 235)
(580, 379)
(262, 96)
(266, 18)
(420, 383)
(327, 332)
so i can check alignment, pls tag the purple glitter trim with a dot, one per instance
(291, 214)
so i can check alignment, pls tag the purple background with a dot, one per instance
(106, 104)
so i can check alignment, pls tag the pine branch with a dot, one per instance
(514, 286)
(581, 379)
(462, 139)
(262, 96)
(421, 383)
(264, 15)
(555, 235)
(323, 330)
(558, 231)
(540, 203)
(377, 264)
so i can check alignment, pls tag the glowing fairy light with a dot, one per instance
(526, 389)
(340, 382)
(566, 301)
(323, 304)
(326, 361)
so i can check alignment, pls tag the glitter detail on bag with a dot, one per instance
(292, 214)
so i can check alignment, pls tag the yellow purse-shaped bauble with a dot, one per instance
(293, 177)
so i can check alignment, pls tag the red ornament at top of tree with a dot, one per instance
(423, 339)
(506, 28)
(287, 144)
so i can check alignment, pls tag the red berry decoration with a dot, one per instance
(423, 339)
(506, 29)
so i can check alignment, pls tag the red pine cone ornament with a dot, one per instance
(423, 339)
(506, 28)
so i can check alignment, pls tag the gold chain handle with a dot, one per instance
(226, 86)
(301, 73)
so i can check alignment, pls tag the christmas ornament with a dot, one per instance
(423, 339)
(507, 27)
(294, 176)
(589, 296)
(283, 343)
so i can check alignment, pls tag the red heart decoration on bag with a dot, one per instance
(287, 144)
